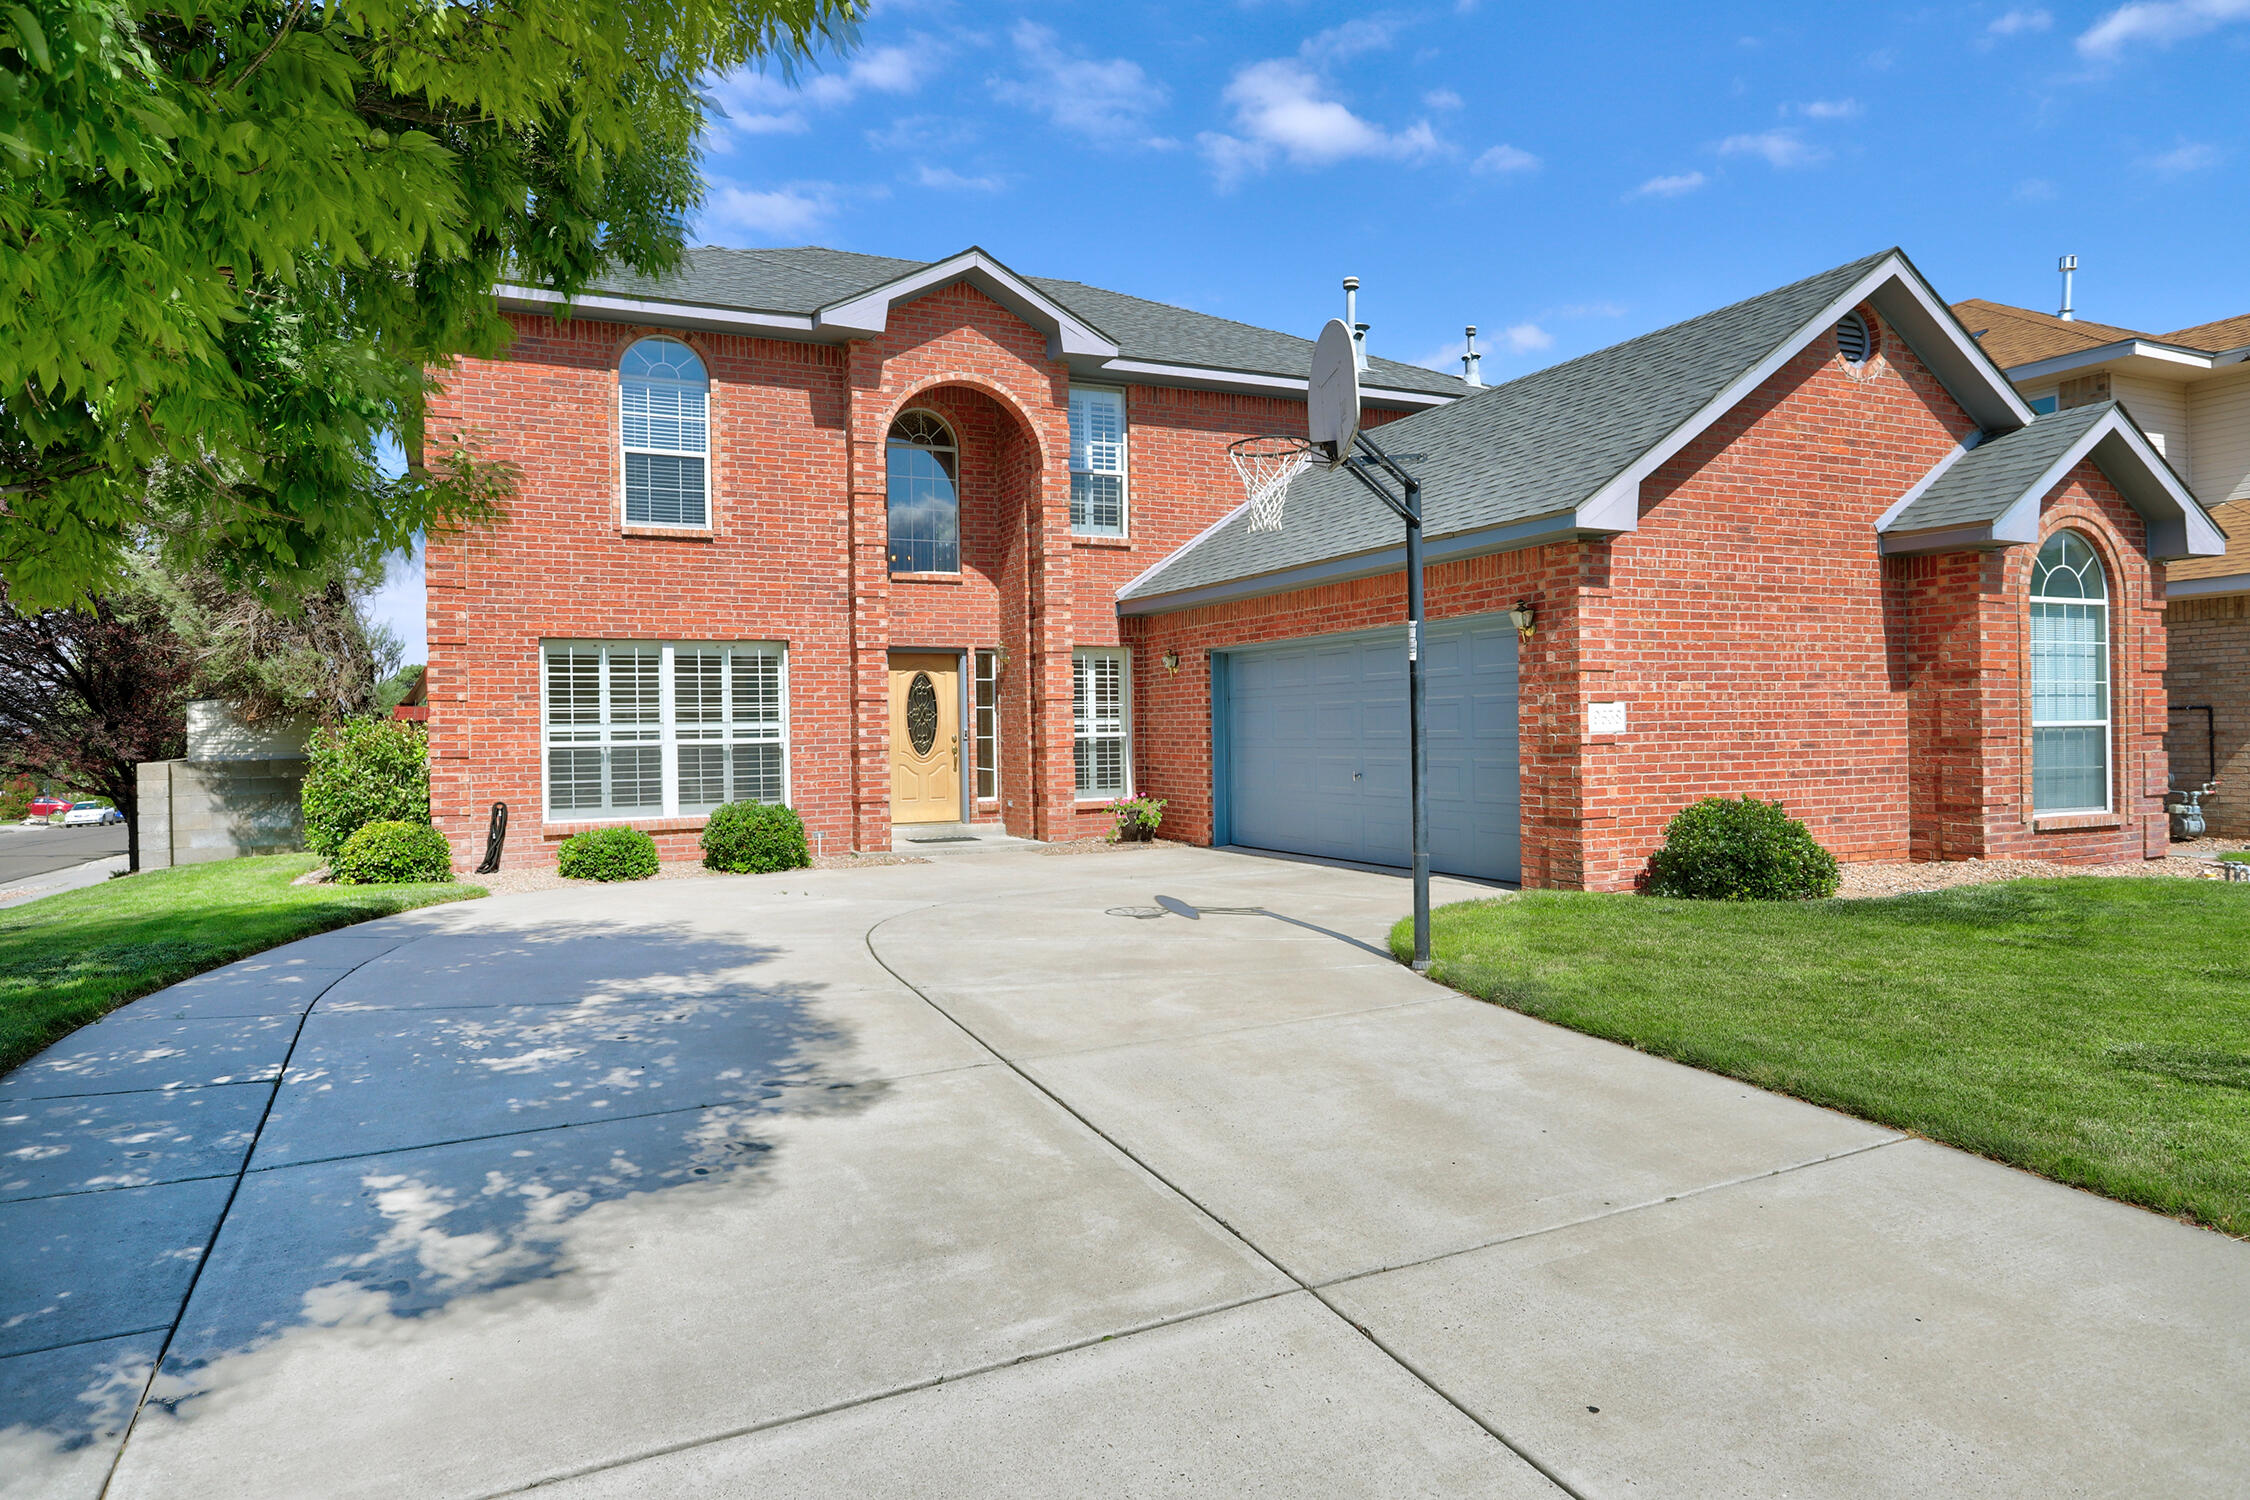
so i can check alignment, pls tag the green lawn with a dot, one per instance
(71, 958)
(2094, 1030)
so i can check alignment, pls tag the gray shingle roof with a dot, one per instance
(806, 279)
(1978, 487)
(1537, 446)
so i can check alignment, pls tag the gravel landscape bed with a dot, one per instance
(2193, 860)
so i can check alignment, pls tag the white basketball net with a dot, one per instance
(1267, 471)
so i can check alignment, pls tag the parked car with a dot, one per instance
(92, 812)
(48, 805)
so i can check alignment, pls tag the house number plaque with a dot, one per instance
(921, 713)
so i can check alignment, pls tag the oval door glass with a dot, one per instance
(921, 713)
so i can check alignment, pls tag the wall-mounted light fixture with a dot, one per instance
(1171, 661)
(1523, 619)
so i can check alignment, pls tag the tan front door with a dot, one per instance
(925, 738)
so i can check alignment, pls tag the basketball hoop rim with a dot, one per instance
(1283, 445)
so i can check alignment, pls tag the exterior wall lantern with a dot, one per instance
(1523, 619)
(1171, 661)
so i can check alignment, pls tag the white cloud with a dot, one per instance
(2020, 23)
(1108, 99)
(1441, 99)
(947, 178)
(785, 214)
(1778, 148)
(2188, 156)
(922, 133)
(1669, 187)
(2157, 23)
(1368, 34)
(1830, 109)
(1590, 310)
(1527, 338)
(1281, 107)
(2035, 190)
(1505, 160)
(754, 103)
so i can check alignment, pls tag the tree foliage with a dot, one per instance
(233, 242)
(88, 693)
(317, 656)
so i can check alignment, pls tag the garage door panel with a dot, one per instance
(1303, 718)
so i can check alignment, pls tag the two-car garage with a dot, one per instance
(1310, 747)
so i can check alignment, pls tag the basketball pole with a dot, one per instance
(1409, 510)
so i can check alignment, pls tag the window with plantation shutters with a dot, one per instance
(1097, 463)
(664, 410)
(643, 729)
(1097, 712)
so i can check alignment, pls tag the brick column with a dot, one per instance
(868, 577)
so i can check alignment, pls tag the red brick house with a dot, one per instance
(901, 542)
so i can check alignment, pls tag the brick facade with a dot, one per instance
(2209, 667)
(1759, 639)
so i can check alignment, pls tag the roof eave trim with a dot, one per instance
(2204, 588)
(1922, 485)
(1974, 380)
(609, 308)
(1974, 538)
(2102, 354)
(867, 314)
(1251, 382)
(1461, 546)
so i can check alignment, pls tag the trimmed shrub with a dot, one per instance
(1723, 849)
(364, 771)
(391, 852)
(754, 838)
(607, 854)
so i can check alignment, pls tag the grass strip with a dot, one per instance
(2094, 1030)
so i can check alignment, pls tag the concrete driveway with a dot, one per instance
(1141, 1172)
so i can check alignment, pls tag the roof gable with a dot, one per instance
(1562, 451)
(1989, 495)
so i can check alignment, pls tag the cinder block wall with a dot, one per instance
(194, 812)
(2209, 663)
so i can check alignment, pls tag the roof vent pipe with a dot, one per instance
(1351, 319)
(1470, 359)
(2066, 265)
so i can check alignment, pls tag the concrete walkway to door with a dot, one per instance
(1143, 1172)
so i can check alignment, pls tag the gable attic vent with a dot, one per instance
(1854, 338)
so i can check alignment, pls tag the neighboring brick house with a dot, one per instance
(2190, 391)
(792, 520)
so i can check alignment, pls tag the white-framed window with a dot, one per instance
(988, 725)
(663, 399)
(922, 462)
(657, 729)
(2070, 740)
(1097, 462)
(1098, 682)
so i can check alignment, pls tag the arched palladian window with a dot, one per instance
(925, 496)
(2069, 678)
(663, 397)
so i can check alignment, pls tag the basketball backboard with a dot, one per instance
(1332, 399)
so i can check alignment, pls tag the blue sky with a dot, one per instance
(1561, 176)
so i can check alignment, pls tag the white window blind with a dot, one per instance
(664, 408)
(644, 729)
(2070, 728)
(1097, 711)
(1097, 463)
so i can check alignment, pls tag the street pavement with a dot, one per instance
(26, 852)
(1137, 1172)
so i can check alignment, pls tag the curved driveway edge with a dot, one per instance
(1015, 1173)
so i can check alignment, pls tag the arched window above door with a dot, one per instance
(924, 495)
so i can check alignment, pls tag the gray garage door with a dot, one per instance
(1313, 757)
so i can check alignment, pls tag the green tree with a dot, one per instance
(233, 243)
